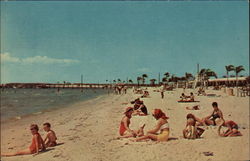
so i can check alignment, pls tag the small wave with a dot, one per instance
(37, 113)
(18, 117)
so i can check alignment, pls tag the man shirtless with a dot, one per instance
(51, 138)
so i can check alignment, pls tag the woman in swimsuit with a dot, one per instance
(192, 131)
(36, 144)
(231, 131)
(216, 114)
(161, 126)
(125, 131)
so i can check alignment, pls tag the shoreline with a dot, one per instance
(52, 108)
(88, 133)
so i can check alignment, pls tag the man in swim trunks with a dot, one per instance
(216, 114)
(51, 138)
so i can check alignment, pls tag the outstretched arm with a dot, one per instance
(37, 145)
(126, 125)
(219, 131)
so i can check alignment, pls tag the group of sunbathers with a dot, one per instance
(185, 98)
(215, 118)
(37, 143)
(161, 130)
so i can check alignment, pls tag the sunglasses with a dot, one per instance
(32, 129)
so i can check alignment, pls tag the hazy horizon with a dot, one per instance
(59, 41)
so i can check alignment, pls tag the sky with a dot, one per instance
(60, 40)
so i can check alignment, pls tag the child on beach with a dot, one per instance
(231, 131)
(36, 144)
(192, 131)
(216, 114)
(51, 138)
(125, 131)
(161, 126)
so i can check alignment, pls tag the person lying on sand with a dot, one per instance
(216, 114)
(51, 138)
(197, 107)
(162, 126)
(191, 130)
(231, 131)
(36, 144)
(125, 131)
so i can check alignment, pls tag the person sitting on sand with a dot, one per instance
(36, 144)
(139, 107)
(231, 131)
(192, 131)
(162, 126)
(145, 94)
(51, 138)
(216, 114)
(196, 107)
(125, 131)
(191, 97)
(201, 91)
(183, 97)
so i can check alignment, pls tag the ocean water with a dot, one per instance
(16, 103)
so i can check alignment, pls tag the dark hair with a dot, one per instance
(191, 93)
(215, 104)
(47, 124)
(190, 116)
(182, 94)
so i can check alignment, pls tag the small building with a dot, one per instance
(227, 81)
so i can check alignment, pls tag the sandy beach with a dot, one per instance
(87, 130)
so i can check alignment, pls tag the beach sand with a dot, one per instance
(87, 130)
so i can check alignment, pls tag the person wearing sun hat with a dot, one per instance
(162, 126)
(124, 130)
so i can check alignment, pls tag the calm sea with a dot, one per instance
(16, 103)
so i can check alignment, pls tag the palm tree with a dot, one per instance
(188, 77)
(152, 81)
(138, 80)
(143, 78)
(228, 69)
(130, 81)
(205, 74)
(119, 80)
(238, 69)
(164, 79)
(167, 74)
(114, 81)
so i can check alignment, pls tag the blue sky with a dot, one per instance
(57, 41)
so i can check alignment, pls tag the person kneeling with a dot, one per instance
(231, 131)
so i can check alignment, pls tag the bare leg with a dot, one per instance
(148, 136)
(125, 136)
(235, 133)
(22, 152)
